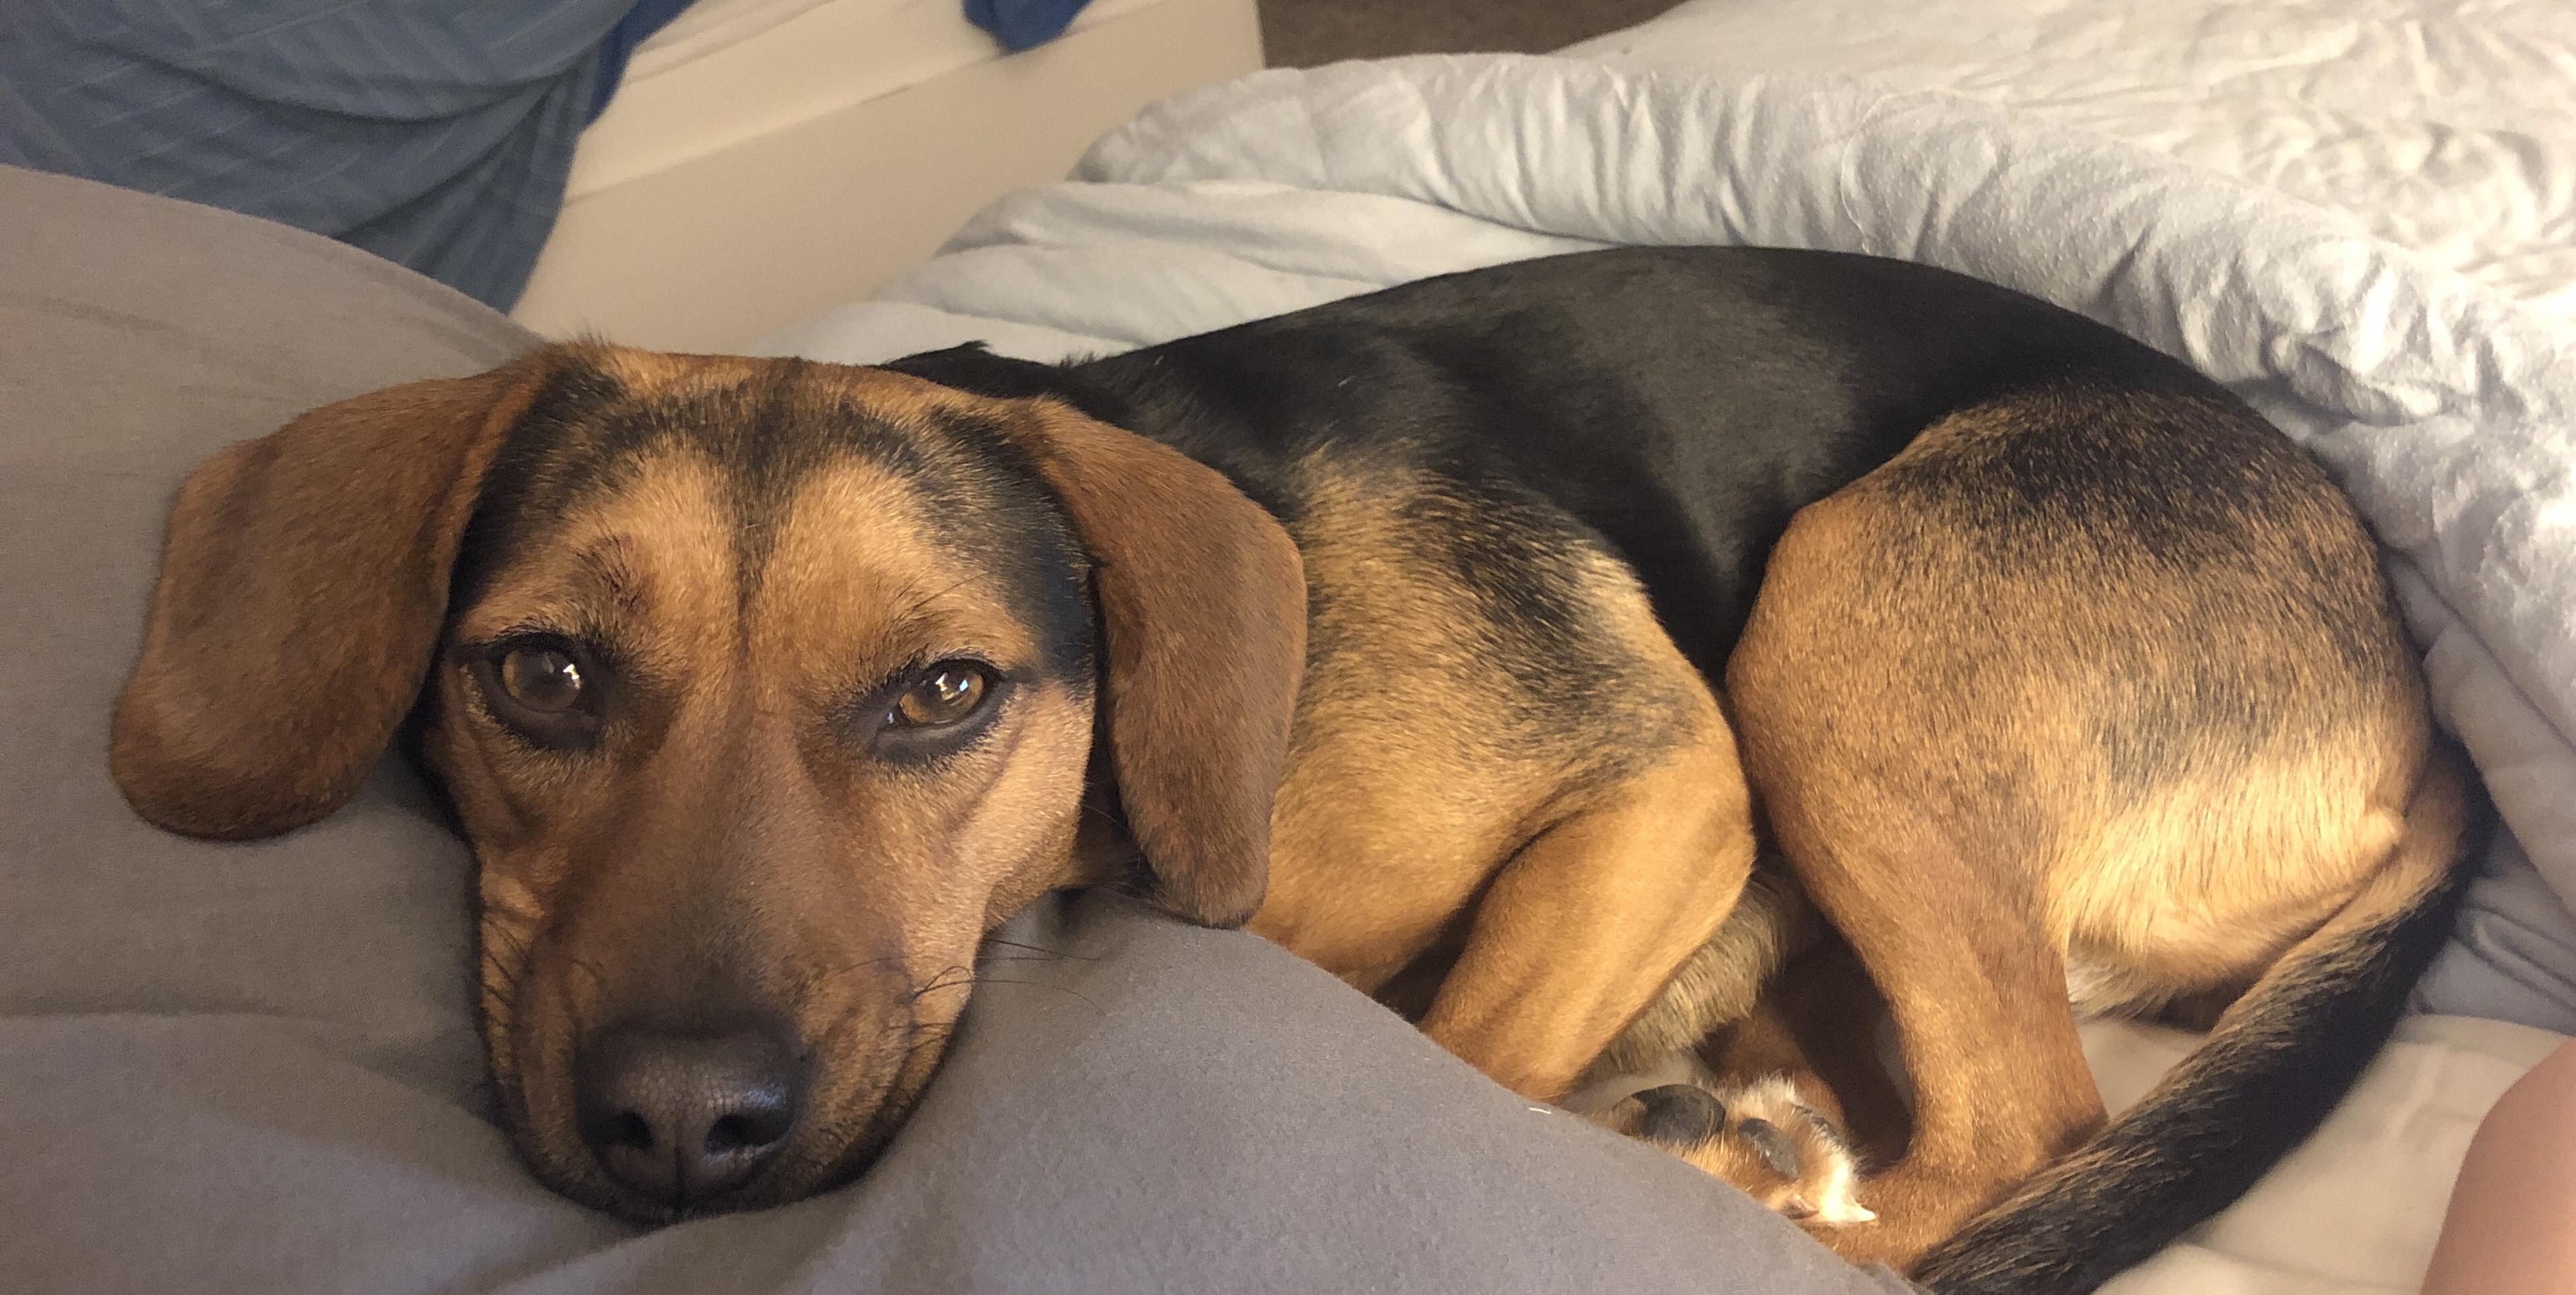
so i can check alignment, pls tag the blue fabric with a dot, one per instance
(435, 133)
(634, 29)
(1023, 24)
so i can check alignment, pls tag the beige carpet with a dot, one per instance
(1303, 33)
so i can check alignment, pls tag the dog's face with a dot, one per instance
(761, 703)
(763, 692)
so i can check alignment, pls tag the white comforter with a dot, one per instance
(2447, 408)
(2443, 126)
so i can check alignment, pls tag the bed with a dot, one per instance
(251, 1068)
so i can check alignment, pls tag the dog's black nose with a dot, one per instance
(685, 1118)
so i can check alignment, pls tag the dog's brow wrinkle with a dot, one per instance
(914, 618)
(611, 561)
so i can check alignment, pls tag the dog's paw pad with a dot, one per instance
(1758, 1136)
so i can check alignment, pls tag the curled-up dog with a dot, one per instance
(765, 690)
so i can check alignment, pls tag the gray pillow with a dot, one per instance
(252, 1067)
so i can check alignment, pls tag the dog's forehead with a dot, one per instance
(663, 375)
(750, 452)
(761, 429)
(763, 423)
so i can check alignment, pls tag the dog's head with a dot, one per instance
(763, 691)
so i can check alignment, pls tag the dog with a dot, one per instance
(763, 690)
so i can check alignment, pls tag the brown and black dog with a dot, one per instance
(765, 690)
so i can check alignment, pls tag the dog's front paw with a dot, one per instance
(1758, 1136)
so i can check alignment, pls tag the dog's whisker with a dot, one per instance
(1041, 950)
(1041, 984)
(952, 978)
(828, 975)
(1015, 959)
(997, 941)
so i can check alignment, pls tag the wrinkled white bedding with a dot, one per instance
(2445, 126)
(2445, 405)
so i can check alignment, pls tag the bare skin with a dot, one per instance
(2512, 1225)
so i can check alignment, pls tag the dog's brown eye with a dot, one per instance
(542, 679)
(948, 693)
(548, 690)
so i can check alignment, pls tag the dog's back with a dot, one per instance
(1680, 403)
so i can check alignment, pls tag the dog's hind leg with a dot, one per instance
(1587, 922)
(1998, 1076)
(2111, 675)
(2276, 1063)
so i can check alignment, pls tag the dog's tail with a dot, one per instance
(2279, 1060)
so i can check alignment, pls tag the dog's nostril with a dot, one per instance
(744, 1133)
(685, 1118)
(728, 1135)
(630, 1130)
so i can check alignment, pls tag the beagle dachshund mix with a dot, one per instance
(765, 690)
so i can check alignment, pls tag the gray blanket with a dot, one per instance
(252, 1068)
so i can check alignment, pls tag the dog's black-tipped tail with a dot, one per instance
(2279, 1060)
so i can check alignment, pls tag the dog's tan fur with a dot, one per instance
(1583, 879)
(1963, 824)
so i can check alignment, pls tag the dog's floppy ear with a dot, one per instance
(1203, 609)
(303, 583)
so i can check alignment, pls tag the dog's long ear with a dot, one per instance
(1203, 608)
(303, 583)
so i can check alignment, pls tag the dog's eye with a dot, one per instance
(946, 693)
(542, 679)
(548, 690)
